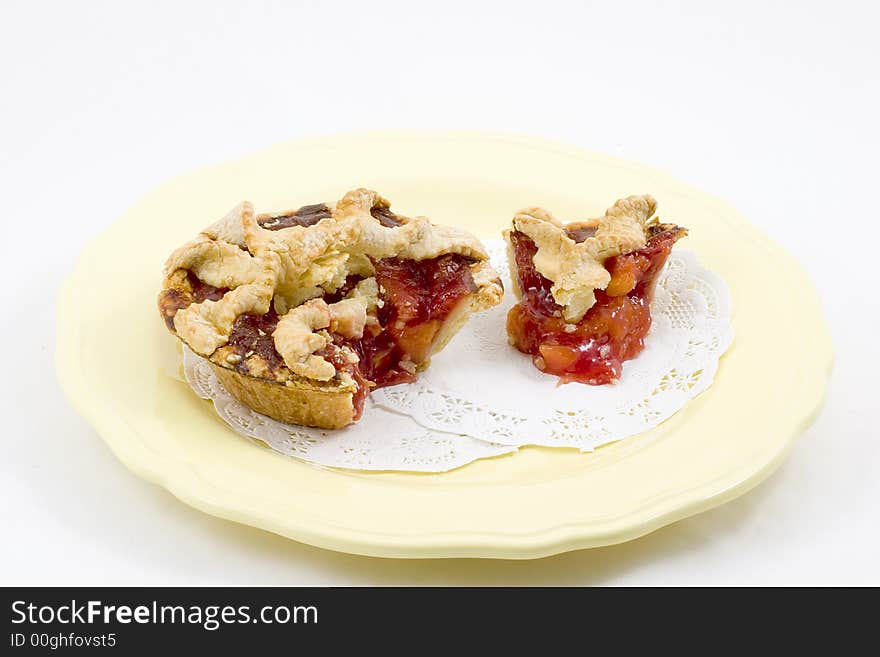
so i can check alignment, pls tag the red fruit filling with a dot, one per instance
(172, 300)
(308, 215)
(612, 331)
(417, 297)
(252, 334)
(333, 354)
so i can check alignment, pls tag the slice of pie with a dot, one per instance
(585, 288)
(302, 313)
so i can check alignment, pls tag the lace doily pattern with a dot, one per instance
(382, 440)
(481, 387)
(482, 398)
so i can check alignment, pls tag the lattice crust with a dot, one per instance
(254, 263)
(500, 399)
(576, 267)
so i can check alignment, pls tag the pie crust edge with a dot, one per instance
(306, 400)
(576, 269)
(297, 402)
(330, 404)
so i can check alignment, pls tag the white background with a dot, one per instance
(772, 106)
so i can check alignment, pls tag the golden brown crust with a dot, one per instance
(276, 270)
(576, 268)
(299, 402)
(260, 268)
(416, 238)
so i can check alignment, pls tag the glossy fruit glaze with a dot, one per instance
(308, 215)
(612, 331)
(417, 296)
(171, 300)
(252, 334)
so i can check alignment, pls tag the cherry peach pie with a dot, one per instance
(302, 313)
(585, 288)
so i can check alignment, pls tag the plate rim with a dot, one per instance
(185, 481)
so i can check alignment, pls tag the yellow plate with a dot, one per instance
(113, 356)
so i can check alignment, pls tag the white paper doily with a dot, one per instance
(482, 398)
(381, 440)
(482, 387)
